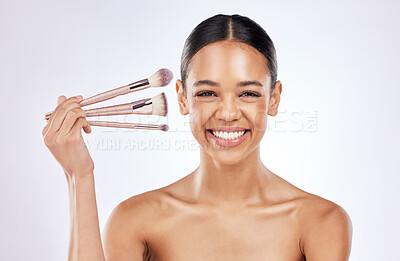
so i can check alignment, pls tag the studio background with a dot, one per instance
(336, 133)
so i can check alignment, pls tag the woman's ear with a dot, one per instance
(182, 100)
(275, 99)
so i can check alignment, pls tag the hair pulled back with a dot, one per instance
(232, 28)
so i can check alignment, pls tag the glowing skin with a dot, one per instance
(231, 207)
(228, 101)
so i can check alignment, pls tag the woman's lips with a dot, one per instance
(228, 143)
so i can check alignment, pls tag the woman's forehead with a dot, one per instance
(228, 61)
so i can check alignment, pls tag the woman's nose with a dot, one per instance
(228, 110)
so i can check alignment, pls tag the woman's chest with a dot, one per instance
(236, 236)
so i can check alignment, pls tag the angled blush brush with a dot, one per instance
(160, 78)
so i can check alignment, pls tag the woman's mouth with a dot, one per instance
(228, 137)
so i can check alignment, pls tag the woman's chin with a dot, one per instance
(226, 157)
(228, 162)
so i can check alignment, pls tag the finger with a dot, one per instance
(61, 112)
(78, 125)
(70, 120)
(63, 102)
(57, 118)
(88, 129)
(66, 102)
(60, 101)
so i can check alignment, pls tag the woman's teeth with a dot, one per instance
(228, 135)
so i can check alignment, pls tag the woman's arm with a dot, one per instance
(85, 239)
(62, 135)
(121, 234)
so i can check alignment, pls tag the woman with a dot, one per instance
(231, 207)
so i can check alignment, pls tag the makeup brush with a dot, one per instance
(163, 127)
(129, 125)
(160, 78)
(155, 106)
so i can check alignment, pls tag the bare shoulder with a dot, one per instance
(124, 235)
(317, 209)
(326, 228)
(141, 207)
(313, 207)
(320, 215)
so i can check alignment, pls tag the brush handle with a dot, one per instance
(129, 125)
(126, 125)
(141, 107)
(105, 95)
(133, 87)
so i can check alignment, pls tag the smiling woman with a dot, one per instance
(236, 79)
(232, 207)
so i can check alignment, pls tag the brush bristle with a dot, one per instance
(160, 106)
(164, 127)
(161, 78)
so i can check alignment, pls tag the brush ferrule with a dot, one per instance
(141, 104)
(142, 83)
(147, 126)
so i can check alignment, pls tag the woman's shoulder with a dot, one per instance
(143, 202)
(149, 205)
(313, 209)
(325, 226)
(309, 203)
(318, 210)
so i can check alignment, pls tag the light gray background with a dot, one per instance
(336, 134)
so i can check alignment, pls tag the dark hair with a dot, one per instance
(232, 28)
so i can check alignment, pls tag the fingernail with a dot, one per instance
(79, 97)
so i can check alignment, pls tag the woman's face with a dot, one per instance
(228, 99)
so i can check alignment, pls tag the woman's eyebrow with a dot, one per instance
(216, 84)
(247, 83)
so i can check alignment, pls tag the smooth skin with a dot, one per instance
(231, 207)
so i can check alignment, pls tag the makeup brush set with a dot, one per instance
(156, 105)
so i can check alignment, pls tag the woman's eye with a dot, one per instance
(206, 93)
(250, 94)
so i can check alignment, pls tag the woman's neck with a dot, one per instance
(230, 184)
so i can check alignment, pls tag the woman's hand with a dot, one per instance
(62, 136)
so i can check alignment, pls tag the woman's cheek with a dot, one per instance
(261, 117)
(257, 114)
(198, 116)
(202, 110)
